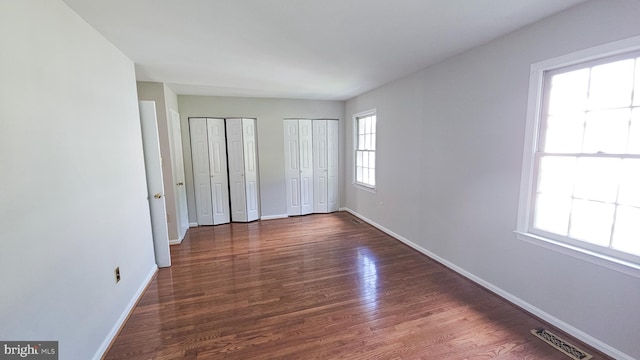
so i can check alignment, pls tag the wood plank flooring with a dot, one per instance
(319, 287)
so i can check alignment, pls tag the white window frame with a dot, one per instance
(627, 265)
(356, 183)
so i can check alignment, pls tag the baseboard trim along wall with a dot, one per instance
(273, 217)
(605, 348)
(125, 315)
(195, 224)
(175, 242)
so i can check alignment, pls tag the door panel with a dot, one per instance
(218, 170)
(235, 151)
(177, 162)
(250, 168)
(291, 165)
(201, 177)
(305, 131)
(320, 167)
(155, 187)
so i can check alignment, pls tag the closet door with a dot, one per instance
(292, 166)
(306, 166)
(320, 167)
(243, 169)
(250, 168)
(333, 194)
(218, 171)
(201, 179)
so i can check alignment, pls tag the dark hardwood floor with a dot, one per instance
(319, 287)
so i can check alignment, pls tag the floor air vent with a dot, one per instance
(355, 221)
(565, 347)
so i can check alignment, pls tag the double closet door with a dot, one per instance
(311, 163)
(225, 170)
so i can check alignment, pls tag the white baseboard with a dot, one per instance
(175, 242)
(569, 329)
(273, 217)
(125, 314)
(195, 224)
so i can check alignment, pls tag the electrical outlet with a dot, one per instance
(117, 274)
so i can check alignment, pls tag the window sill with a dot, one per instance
(364, 187)
(609, 262)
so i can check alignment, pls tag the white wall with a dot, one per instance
(450, 141)
(166, 100)
(73, 198)
(269, 113)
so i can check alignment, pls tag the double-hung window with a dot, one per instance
(581, 175)
(365, 149)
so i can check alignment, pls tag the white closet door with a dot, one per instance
(292, 166)
(305, 132)
(235, 152)
(250, 168)
(177, 162)
(201, 180)
(333, 194)
(320, 166)
(218, 171)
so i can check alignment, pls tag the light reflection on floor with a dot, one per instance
(368, 278)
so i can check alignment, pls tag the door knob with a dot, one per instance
(180, 183)
(157, 196)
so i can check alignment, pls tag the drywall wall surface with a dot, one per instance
(269, 114)
(154, 91)
(457, 196)
(73, 203)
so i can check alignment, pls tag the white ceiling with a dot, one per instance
(323, 49)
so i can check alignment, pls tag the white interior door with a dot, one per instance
(333, 193)
(177, 162)
(237, 185)
(320, 166)
(250, 168)
(305, 130)
(218, 171)
(155, 187)
(292, 166)
(201, 177)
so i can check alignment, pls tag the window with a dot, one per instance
(365, 149)
(581, 179)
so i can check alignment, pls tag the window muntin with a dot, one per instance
(365, 149)
(586, 189)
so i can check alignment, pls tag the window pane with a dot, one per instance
(597, 179)
(607, 131)
(361, 126)
(569, 92)
(634, 132)
(372, 160)
(359, 159)
(365, 176)
(365, 159)
(591, 221)
(367, 129)
(367, 141)
(372, 177)
(564, 133)
(358, 174)
(626, 233)
(611, 85)
(552, 214)
(361, 142)
(373, 124)
(373, 141)
(629, 192)
(556, 175)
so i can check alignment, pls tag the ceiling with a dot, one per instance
(302, 49)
